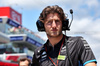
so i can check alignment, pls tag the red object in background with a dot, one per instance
(11, 13)
(8, 64)
(13, 58)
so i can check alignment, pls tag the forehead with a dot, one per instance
(52, 16)
(24, 63)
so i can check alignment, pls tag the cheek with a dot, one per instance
(46, 27)
(59, 26)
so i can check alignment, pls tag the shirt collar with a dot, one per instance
(58, 45)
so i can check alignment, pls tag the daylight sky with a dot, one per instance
(86, 20)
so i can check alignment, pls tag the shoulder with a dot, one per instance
(76, 41)
(74, 38)
(38, 49)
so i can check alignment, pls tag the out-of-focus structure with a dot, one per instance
(16, 41)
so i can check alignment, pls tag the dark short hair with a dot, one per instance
(24, 59)
(52, 9)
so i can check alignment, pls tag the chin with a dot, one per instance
(55, 34)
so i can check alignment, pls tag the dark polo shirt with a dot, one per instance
(79, 51)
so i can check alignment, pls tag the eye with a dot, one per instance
(57, 21)
(49, 22)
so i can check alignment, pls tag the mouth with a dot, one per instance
(54, 30)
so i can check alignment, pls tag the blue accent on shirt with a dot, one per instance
(80, 64)
(89, 62)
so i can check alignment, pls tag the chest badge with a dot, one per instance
(61, 57)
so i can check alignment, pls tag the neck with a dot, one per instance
(55, 40)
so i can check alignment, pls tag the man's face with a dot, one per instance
(24, 63)
(53, 25)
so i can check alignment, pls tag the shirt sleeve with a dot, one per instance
(85, 53)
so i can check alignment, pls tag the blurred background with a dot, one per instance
(19, 36)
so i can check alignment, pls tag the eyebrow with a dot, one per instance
(52, 19)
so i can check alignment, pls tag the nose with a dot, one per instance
(54, 24)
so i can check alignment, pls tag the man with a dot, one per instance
(24, 62)
(61, 50)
